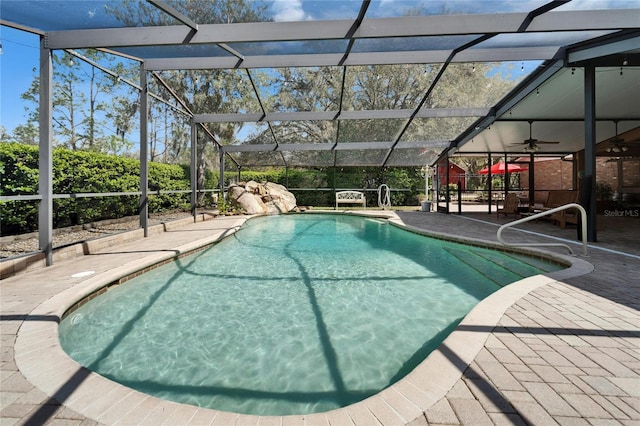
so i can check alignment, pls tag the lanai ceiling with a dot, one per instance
(559, 37)
(553, 111)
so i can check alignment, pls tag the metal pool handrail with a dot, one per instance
(583, 223)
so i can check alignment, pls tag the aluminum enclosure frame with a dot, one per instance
(623, 22)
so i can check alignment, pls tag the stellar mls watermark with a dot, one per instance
(623, 213)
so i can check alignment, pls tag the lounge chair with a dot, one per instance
(510, 206)
(559, 198)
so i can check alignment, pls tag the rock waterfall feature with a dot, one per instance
(262, 198)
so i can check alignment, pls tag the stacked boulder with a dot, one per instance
(262, 198)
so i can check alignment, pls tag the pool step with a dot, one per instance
(493, 266)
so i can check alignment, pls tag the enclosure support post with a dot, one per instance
(45, 159)
(506, 176)
(335, 159)
(446, 179)
(144, 147)
(437, 185)
(489, 181)
(588, 187)
(426, 182)
(193, 175)
(532, 194)
(221, 181)
(286, 175)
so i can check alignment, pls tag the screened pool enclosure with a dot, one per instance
(352, 83)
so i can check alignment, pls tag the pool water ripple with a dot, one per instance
(291, 315)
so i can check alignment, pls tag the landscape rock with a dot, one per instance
(262, 198)
(247, 200)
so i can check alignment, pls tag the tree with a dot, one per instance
(209, 91)
(384, 87)
(4, 135)
(375, 87)
(81, 116)
(27, 134)
(96, 87)
(67, 100)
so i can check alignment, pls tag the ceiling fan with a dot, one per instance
(618, 144)
(531, 144)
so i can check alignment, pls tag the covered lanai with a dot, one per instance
(584, 88)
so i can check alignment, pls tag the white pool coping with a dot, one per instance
(44, 363)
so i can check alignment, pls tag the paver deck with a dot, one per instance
(561, 349)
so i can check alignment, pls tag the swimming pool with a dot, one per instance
(293, 314)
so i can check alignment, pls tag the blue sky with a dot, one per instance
(20, 52)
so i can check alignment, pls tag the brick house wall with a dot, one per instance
(556, 174)
(631, 174)
(630, 183)
(549, 175)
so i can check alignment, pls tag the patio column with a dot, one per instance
(587, 187)
(532, 194)
(45, 159)
(144, 147)
(193, 176)
(333, 185)
(446, 180)
(489, 180)
(221, 181)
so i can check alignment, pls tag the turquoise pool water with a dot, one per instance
(292, 314)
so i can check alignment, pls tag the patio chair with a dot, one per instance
(510, 206)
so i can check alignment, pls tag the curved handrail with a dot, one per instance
(583, 223)
(384, 199)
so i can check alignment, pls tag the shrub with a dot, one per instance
(78, 172)
(18, 176)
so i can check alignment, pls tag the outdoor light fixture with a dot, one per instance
(618, 144)
(617, 148)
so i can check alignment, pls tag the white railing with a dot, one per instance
(384, 197)
(583, 223)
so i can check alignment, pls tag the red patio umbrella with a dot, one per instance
(498, 169)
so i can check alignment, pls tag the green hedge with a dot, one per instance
(76, 172)
(18, 176)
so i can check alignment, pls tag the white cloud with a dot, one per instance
(288, 10)
(599, 4)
